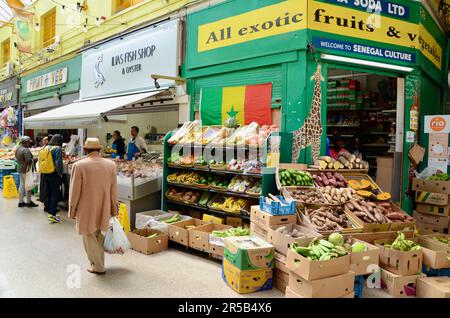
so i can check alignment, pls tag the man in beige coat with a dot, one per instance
(93, 201)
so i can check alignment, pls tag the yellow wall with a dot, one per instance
(69, 27)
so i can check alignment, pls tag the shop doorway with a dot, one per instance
(365, 115)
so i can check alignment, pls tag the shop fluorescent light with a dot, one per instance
(366, 63)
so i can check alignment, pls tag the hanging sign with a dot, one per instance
(50, 79)
(24, 23)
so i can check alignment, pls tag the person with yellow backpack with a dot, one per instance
(51, 169)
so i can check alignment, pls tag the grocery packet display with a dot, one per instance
(251, 135)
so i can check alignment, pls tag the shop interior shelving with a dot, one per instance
(267, 178)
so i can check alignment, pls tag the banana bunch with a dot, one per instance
(190, 177)
(402, 244)
(320, 250)
(442, 240)
(173, 177)
(217, 205)
(234, 204)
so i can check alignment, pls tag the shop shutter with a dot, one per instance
(6, 51)
(49, 28)
(271, 74)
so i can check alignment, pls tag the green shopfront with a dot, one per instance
(300, 47)
(49, 88)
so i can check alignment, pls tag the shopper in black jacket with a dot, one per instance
(118, 145)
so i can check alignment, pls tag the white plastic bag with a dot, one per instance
(29, 181)
(116, 241)
(426, 173)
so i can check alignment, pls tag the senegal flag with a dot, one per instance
(245, 103)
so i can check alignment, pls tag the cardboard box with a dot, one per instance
(199, 236)
(434, 220)
(280, 280)
(433, 287)
(330, 287)
(246, 281)
(311, 270)
(233, 221)
(280, 262)
(399, 262)
(362, 263)
(259, 232)
(213, 219)
(399, 286)
(425, 228)
(179, 233)
(139, 241)
(266, 220)
(436, 255)
(283, 242)
(416, 154)
(435, 186)
(291, 294)
(443, 211)
(249, 252)
(431, 198)
(385, 173)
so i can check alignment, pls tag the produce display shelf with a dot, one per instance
(228, 193)
(256, 175)
(343, 126)
(244, 147)
(235, 194)
(211, 211)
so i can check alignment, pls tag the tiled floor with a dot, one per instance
(42, 260)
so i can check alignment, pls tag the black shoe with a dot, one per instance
(31, 204)
(22, 204)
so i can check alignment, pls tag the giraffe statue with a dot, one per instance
(310, 134)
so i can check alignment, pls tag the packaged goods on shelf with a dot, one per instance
(399, 285)
(148, 241)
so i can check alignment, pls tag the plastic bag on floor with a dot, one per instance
(116, 241)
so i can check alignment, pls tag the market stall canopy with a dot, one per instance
(84, 114)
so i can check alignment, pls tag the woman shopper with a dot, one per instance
(25, 161)
(44, 143)
(51, 168)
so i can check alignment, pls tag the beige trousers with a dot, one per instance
(93, 245)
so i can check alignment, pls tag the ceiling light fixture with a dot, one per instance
(366, 63)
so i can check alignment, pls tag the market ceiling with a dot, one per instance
(7, 6)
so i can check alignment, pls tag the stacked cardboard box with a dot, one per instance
(319, 279)
(400, 269)
(248, 264)
(433, 287)
(260, 222)
(433, 205)
(282, 243)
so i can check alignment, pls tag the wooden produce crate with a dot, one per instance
(286, 192)
(367, 227)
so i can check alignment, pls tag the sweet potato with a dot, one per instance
(396, 216)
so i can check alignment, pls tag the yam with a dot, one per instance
(322, 164)
(336, 165)
(330, 165)
(327, 159)
(396, 216)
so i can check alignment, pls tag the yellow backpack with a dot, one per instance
(46, 164)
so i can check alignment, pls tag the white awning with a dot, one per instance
(83, 114)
